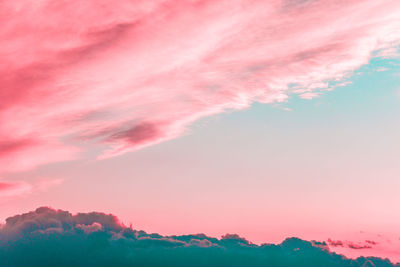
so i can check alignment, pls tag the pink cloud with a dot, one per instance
(125, 75)
(14, 188)
(94, 227)
(46, 184)
(18, 188)
(309, 95)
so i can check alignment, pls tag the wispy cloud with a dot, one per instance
(14, 188)
(19, 188)
(129, 74)
(45, 184)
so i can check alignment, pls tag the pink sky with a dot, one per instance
(135, 73)
(86, 81)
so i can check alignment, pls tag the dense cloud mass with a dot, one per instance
(132, 73)
(48, 237)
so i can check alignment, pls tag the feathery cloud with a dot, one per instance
(128, 74)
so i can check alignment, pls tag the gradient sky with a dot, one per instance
(210, 122)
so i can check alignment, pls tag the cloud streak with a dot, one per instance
(9, 189)
(338, 243)
(14, 188)
(125, 75)
(55, 237)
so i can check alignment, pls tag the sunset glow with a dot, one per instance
(265, 119)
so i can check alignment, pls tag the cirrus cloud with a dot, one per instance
(9, 189)
(14, 188)
(129, 74)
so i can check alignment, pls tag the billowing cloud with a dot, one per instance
(131, 73)
(48, 237)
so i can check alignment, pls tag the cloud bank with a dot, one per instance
(48, 237)
(132, 73)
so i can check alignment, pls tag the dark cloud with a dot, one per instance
(48, 237)
(357, 246)
(139, 133)
(338, 243)
(335, 243)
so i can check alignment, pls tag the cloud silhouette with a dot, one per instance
(132, 73)
(339, 243)
(371, 242)
(48, 237)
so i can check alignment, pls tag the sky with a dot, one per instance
(265, 119)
